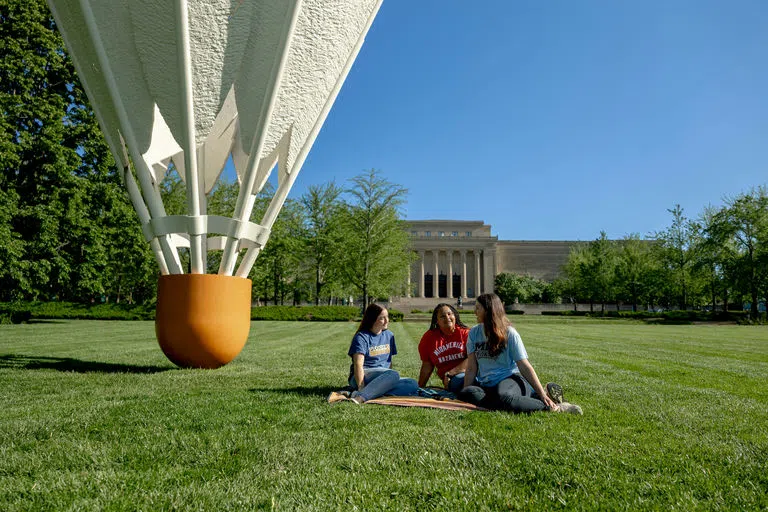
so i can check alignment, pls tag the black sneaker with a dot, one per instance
(555, 392)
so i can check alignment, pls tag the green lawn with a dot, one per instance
(92, 416)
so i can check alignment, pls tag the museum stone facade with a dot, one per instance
(456, 258)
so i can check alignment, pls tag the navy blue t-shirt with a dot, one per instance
(377, 349)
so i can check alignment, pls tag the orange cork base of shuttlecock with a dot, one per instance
(202, 320)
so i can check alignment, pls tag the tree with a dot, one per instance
(716, 255)
(601, 270)
(576, 284)
(60, 189)
(280, 266)
(633, 269)
(745, 221)
(322, 211)
(513, 288)
(678, 252)
(377, 255)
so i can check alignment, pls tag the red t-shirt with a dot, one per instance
(444, 352)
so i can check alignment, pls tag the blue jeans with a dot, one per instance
(511, 394)
(457, 383)
(384, 381)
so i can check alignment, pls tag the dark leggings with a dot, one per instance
(511, 394)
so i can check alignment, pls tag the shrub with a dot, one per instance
(415, 311)
(515, 312)
(395, 315)
(22, 312)
(14, 314)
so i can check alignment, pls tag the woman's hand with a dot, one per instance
(425, 372)
(529, 374)
(551, 405)
(359, 373)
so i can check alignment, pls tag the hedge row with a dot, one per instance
(671, 316)
(24, 312)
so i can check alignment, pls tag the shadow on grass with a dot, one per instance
(317, 391)
(68, 364)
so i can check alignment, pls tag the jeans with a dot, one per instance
(384, 381)
(511, 394)
(457, 383)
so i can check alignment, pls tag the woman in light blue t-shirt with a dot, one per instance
(498, 374)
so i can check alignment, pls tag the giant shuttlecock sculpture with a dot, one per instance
(193, 83)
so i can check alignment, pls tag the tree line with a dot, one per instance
(715, 261)
(69, 232)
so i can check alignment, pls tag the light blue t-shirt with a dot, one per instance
(491, 371)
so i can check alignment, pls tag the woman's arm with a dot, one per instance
(471, 370)
(357, 365)
(459, 368)
(527, 371)
(425, 373)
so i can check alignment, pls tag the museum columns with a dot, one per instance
(435, 275)
(421, 274)
(477, 274)
(464, 274)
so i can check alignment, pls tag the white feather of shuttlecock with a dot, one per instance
(193, 82)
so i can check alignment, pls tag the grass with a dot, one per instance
(92, 416)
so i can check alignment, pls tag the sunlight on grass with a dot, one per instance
(95, 417)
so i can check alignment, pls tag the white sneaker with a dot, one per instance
(569, 408)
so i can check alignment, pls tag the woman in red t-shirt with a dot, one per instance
(444, 347)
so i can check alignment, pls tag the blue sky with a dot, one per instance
(555, 120)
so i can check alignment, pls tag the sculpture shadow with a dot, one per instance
(69, 364)
(317, 391)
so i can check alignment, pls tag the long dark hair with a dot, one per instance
(433, 325)
(495, 323)
(372, 312)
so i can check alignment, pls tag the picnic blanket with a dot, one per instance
(449, 404)
(434, 398)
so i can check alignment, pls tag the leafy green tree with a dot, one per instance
(377, 255)
(280, 266)
(576, 284)
(633, 269)
(678, 254)
(322, 206)
(513, 288)
(716, 255)
(60, 189)
(745, 221)
(601, 270)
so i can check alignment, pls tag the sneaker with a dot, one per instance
(569, 408)
(555, 392)
(355, 397)
(335, 397)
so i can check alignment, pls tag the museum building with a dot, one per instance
(456, 258)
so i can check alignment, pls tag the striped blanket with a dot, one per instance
(433, 398)
(417, 401)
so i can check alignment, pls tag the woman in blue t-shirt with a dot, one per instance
(498, 374)
(371, 374)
